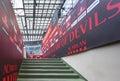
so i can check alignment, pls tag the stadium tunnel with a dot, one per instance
(59, 40)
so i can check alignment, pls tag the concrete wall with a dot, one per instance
(99, 64)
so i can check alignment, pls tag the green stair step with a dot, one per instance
(47, 70)
(33, 79)
(52, 75)
(44, 64)
(44, 71)
(42, 61)
(44, 67)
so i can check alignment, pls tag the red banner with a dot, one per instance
(11, 43)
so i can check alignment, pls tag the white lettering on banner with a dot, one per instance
(56, 40)
(81, 16)
(68, 29)
(15, 29)
(74, 23)
(20, 51)
(52, 44)
(4, 30)
(95, 3)
(56, 33)
(68, 18)
(90, 8)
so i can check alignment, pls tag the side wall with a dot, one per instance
(100, 64)
(11, 43)
(91, 23)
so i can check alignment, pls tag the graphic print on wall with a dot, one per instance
(90, 24)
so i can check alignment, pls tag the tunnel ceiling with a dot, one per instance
(36, 17)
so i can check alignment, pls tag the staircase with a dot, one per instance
(47, 70)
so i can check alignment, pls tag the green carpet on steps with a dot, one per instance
(47, 70)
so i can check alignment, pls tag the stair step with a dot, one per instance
(45, 71)
(42, 61)
(33, 79)
(44, 67)
(52, 75)
(44, 64)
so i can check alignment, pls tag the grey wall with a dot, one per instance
(99, 64)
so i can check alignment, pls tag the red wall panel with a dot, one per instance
(11, 43)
